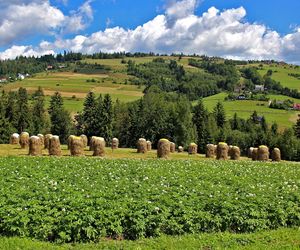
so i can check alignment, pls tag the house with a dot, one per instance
(3, 80)
(49, 67)
(296, 106)
(21, 76)
(259, 88)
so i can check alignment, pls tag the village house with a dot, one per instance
(259, 88)
(296, 106)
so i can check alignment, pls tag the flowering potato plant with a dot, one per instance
(86, 199)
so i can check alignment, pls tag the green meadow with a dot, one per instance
(244, 108)
(281, 74)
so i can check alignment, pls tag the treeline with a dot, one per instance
(157, 115)
(169, 76)
(32, 65)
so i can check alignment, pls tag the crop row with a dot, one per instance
(75, 200)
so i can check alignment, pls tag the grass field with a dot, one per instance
(281, 74)
(245, 108)
(278, 239)
(77, 86)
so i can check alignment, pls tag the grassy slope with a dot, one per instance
(70, 84)
(245, 108)
(282, 75)
(279, 239)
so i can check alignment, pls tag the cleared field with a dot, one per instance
(121, 153)
(281, 74)
(116, 64)
(78, 85)
(245, 108)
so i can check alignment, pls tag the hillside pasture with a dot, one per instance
(74, 87)
(244, 108)
(281, 74)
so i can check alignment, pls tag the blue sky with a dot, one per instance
(187, 26)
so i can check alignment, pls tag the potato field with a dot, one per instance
(87, 199)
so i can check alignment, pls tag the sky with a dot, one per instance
(237, 29)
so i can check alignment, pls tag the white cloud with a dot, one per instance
(15, 51)
(215, 33)
(79, 19)
(19, 21)
(23, 19)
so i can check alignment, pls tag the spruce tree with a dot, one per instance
(200, 119)
(89, 114)
(23, 111)
(219, 114)
(61, 123)
(107, 117)
(39, 118)
(297, 128)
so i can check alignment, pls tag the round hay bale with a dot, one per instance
(254, 154)
(99, 146)
(276, 154)
(210, 151)
(149, 145)
(193, 148)
(180, 149)
(163, 148)
(263, 153)
(54, 146)
(235, 153)
(47, 140)
(42, 139)
(250, 150)
(222, 151)
(14, 139)
(142, 146)
(84, 140)
(35, 148)
(115, 143)
(24, 140)
(77, 146)
(172, 147)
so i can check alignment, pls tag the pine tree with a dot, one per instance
(89, 114)
(235, 123)
(6, 128)
(23, 111)
(297, 128)
(264, 124)
(107, 117)
(39, 118)
(200, 119)
(274, 128)
(219, 114)
(61, 123)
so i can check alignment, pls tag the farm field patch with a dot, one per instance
(245, 108)
(85, 199)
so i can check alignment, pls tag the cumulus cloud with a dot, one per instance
(22, 19)
(15, 51)
(79, 19)
(215, 33)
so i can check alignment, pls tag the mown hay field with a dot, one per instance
(281, 74)
(244, 108)
(88, 199)
(74, 87)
